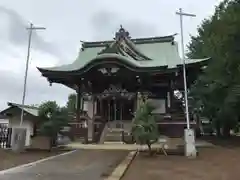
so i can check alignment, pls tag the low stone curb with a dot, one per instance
(120, 170)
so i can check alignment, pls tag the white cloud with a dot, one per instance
(13, 44)
(12, 73)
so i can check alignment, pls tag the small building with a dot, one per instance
(3, 120)
(13, 114)
(110, 75)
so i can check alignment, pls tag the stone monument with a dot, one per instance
(18, 139)
(189, 139)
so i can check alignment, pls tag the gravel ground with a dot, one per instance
(212, 164)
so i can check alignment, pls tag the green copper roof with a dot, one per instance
(139, 53)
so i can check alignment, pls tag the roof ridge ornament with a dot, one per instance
(121, 34)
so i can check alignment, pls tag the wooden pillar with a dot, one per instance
(101, 108)
(168, 97)
(94, 106)
(78, 104)
(121, 114)
(135, 103)
(115, 109)
(82, 104)
(109, 112)
(93, 118)
(171, 92)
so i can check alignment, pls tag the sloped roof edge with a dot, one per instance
(28, 109)
(124, 60)
(20, 105)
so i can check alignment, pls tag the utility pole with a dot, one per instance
(30, 29)
(181, 14)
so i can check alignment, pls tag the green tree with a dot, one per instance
(52, 120)
(217, 90)
(71, 103)
(145, 130)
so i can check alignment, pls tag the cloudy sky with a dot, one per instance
(68, 22)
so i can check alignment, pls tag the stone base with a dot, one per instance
(40, 142)
(190, 148)
(19, 139)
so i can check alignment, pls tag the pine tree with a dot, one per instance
(145, 130)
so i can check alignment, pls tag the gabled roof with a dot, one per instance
(140, 53)
(28, 109)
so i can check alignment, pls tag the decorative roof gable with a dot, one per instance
(122, 45)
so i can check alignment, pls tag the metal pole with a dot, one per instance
(181, 14)
(27, 65)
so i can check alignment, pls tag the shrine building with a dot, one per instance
(108, 77)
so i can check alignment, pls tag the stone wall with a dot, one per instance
(40, 142)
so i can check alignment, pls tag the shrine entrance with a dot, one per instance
(118, 106)
(118, 111)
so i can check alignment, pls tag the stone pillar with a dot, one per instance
(139, 100)
(18, 139)
(91, 112)
(82, 104)
(169, 99)
(190, 148)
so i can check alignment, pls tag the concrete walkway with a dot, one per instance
(109, 146)
(131, 147)
(81, 164)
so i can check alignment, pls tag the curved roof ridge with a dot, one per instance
(92, 44)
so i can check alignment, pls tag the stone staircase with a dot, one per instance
(112, 132)
(113, 135)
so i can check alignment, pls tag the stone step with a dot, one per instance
(115, 129)
(112, 142)
(116, 136)
(113, 138)
(113, 134)
(80, 139)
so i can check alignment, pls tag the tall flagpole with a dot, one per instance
(181, 14)
(30, 29)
